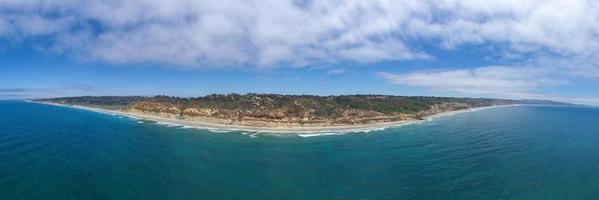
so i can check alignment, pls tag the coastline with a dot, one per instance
(307, 131)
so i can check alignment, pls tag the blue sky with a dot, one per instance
(505, 49)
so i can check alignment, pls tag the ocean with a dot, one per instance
(519, 152)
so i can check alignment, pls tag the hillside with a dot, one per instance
(290, 110)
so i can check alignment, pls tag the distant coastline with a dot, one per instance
(307, 131)
(276, 113)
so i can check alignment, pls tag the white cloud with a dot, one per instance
(492, 81)
(266, 33)
(501, 81)
(201, 33)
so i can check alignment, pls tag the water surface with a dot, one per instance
(529, 152)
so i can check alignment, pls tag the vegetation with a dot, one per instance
(287, 108)
(114, 102)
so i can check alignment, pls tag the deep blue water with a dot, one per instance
(533, 152)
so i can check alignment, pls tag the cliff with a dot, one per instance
(285, 110)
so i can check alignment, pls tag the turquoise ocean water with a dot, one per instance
(525, 152)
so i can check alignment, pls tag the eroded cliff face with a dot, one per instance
(261, 115)
(268, 111)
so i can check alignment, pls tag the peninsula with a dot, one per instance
(274, 112)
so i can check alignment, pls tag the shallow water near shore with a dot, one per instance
(522, 152)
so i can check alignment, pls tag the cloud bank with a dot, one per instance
(298, 32)
(494, 80)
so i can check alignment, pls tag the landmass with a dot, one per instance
(281, 112)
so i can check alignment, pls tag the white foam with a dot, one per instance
(140, 122)
(218, 130)
(130, 117)
(358, 130)
(168, 124)
(319, 134)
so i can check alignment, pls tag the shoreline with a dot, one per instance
(302, 131)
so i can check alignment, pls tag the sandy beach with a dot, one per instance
(305, 130)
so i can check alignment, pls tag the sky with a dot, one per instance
(516, 49)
